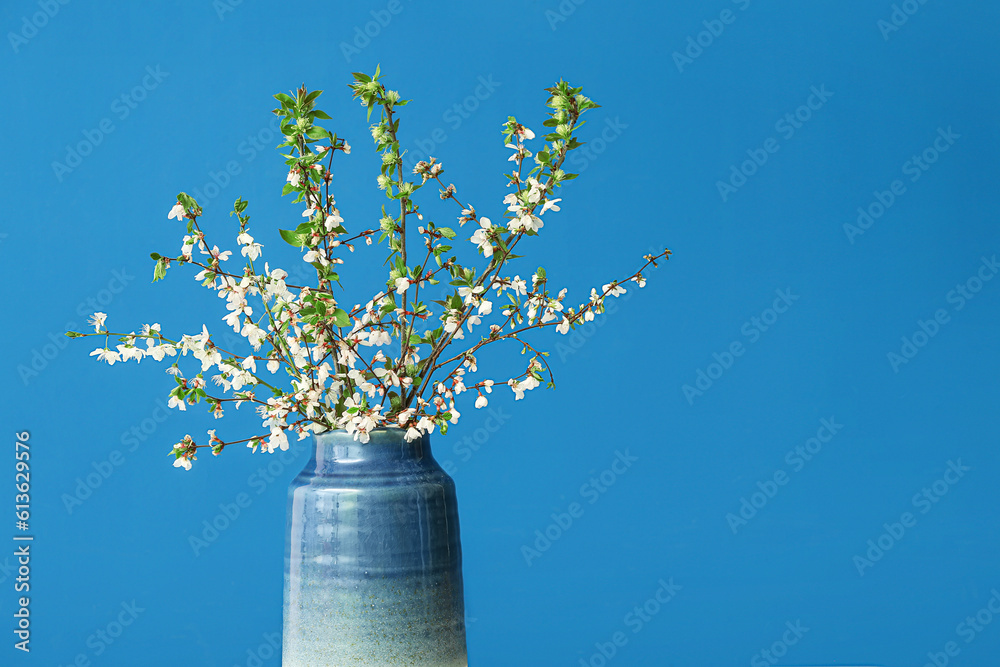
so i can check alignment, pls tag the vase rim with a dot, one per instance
(381, 434)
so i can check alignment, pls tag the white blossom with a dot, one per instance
(614, 289)
(526, 222)
(104, 354)
(519, 387)
(215, 254)
(97, 319)
(470, 294)
(277, 440)
(254, 334)
(332, 220)
(551, 204)
(158, 352)
(128, 352)
(250, 364)
(250, 249)
(481, 237)
(535, 191)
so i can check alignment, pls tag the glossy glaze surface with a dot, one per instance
(373, 563)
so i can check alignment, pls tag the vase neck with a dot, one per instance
(386, 448)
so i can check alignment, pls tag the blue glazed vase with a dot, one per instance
(373, 563)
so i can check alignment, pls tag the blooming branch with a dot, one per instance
(338, 360)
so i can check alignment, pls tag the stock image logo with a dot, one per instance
(753, 329)
(796, 459)
(958, 298)
(923, 501)
(591, 491)
(787, 127)
(122, 107)
(914, 169)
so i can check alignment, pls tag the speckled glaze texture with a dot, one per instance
(373, 564)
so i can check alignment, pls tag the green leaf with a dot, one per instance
(541, 273)
(286, 99)
(160, 271)
(341, 318)
(447, 232)
(315, 132)
(322, 115)
(154, 255)
(292, 238)
(187, 201)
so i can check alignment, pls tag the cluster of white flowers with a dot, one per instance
(342, 372)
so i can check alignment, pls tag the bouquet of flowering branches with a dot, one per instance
(395, 361)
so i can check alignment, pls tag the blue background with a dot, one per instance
(681, 129)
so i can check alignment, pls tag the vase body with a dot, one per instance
(373, 563)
